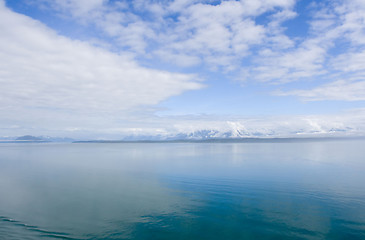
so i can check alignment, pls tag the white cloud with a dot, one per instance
(287, 66)
(178, 59)
(350, 62)
(332, 50)
(77, 8)
(46, 75)
(219, 34)
(342, 124)
(345, 90)
(349, 123)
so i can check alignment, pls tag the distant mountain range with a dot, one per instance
(207, 135)
(30, 138)
(237, 134)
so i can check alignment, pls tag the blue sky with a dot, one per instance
(110, 69)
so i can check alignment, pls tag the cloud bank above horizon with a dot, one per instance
(108, 69)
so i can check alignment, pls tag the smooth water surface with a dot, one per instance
(292, 190)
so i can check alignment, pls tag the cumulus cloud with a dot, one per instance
(220, 35)
(217, 34)
(42, 73)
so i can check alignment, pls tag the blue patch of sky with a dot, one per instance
(65, 26)
(150, 61)
(247, 102)
(298, 26)
(295, 27)
(341, 46)
(222, 96)
(264, 18)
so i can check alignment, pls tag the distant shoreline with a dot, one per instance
(24, 141)
(211, 140)
(232, 140)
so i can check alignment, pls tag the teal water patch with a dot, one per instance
(236, 210)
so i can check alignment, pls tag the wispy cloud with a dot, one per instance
(345, 90)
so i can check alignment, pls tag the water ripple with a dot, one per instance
(35, 229)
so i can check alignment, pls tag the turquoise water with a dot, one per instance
(298, 190)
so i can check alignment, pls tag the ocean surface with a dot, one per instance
(267, 190)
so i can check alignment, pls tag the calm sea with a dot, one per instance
(286, 190)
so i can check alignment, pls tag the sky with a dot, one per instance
(110, 69)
